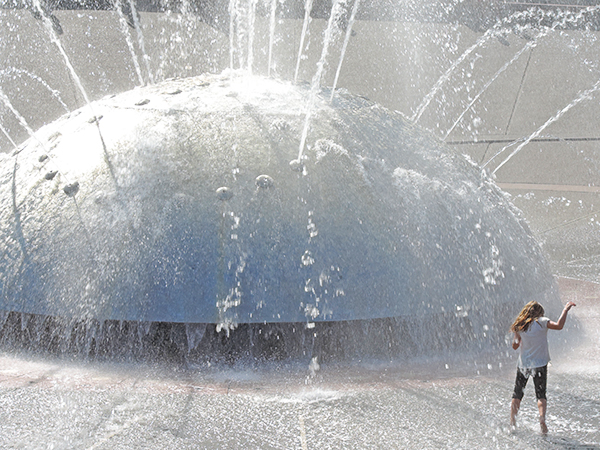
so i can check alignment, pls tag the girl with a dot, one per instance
(530, 330)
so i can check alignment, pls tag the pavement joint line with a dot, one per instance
(553, 5)
(566, 224)
(302, 433)
(549, 187)
(519, 92)
(510, 140)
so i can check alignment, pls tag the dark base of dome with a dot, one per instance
(181, 343)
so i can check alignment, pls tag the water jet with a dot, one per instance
(190, 211)
(347, 272)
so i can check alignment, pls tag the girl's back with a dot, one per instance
(534, 345)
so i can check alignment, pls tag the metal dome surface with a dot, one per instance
(186, 201)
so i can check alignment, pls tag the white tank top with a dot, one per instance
(534, 345)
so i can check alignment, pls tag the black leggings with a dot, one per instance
(540, 376)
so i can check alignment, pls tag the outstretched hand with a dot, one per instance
(562, 319)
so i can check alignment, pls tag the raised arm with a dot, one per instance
(562, 319)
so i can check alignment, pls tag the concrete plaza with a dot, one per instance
(527, 90)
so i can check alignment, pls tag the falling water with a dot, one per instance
(516, 56)
(56, 41)
(490, 33)
(329, 35)
(140, 36)
(585, 95)
(126, 418)
(194, 333)
(16, 213)
(251, 31)
(271, 34)
(241, 33)
(19, 117)
(128, 40)
(53, 92)
(344, 46)
(332, 27)
(8, 136)
(305, 23)
(186, 8)
(232, 18)
(446, 76)
(529, 45)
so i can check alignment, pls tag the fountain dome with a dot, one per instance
(188, 201)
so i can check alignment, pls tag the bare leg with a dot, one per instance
(542, 408)
(515, 404)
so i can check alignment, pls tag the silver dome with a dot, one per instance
(187, 201)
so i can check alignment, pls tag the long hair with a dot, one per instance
(530, 312)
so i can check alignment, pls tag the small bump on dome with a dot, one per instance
(296, 165)
(54, 136)
(224, 193)
(264, 181)
(71, 189)
(280, 125)
(95, 119)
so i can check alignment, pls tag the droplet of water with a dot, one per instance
(314, 366)
(311, 311)
(307, 258)
(194, 333)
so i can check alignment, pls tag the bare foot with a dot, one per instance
(543, 426)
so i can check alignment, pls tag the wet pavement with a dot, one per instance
(451, 401)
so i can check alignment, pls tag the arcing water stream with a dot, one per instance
(445, 398)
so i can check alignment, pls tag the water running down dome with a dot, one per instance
(187, 202)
